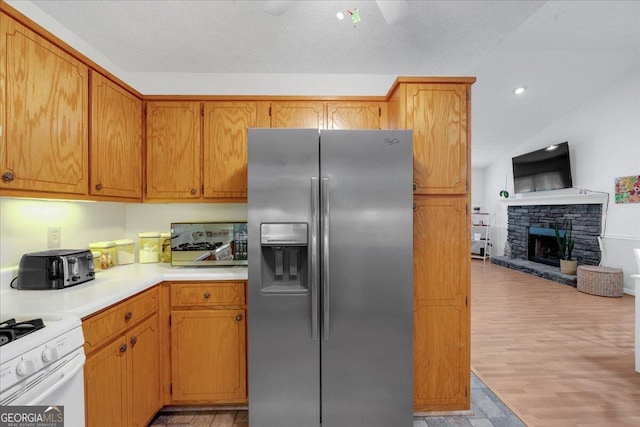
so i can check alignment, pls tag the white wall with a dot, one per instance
(604, 141)
(24, 223)
(158, 217)
(477, 187)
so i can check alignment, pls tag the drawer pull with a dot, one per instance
(128, 316)
(207, 295)
(415, 186)
(238, 317)
(123, 348)
(98, 186)
(134, 340)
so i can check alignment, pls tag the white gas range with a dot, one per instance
(41, 363)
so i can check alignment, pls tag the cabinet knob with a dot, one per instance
(415, 186)
(193, 191)
(207, 295)
(238, 317)
(98, 186)
(128, 316)
(8, 176)
(134, 340)
(415, 207)
(123, 348)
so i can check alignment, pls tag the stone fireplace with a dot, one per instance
(532, 241)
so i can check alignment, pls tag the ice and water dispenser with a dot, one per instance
(284, 248)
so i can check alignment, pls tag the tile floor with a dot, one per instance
(487, 411)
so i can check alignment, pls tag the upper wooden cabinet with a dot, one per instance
(298, 114)
(173, 150)
(44, 101)
(116, 140)
(356, 115)
(438, 113)
(190, 140)
(225, 148)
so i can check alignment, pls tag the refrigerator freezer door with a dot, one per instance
(284, 359)
(367, 358)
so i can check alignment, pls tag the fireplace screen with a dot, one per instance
(543, 246)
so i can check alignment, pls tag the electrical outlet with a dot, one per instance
(53, 237)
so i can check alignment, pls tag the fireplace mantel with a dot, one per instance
(557, 198)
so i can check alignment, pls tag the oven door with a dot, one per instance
(59, 384)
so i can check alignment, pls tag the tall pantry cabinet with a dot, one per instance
(438, 111)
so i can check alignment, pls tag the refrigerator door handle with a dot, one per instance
(325, 258)
(313, 255)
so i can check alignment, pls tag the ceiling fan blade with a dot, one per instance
(393, 10)
(277, 8)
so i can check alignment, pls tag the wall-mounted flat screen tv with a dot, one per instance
(545, 169)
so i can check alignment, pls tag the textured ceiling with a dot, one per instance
(564, 52)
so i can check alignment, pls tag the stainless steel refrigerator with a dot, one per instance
(330, 295)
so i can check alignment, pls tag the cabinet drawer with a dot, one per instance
(97, 329)
(207, 294)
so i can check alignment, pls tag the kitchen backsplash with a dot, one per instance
(24, 223)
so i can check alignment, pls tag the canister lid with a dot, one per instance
(124, 242)
(102, 245)
(149, 234)
(165, 234)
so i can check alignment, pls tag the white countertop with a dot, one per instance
(109, 287)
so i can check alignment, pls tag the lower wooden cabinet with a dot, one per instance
(207, 359)
(122, 373)
(208, 355)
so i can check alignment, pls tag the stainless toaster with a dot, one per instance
(55, 269)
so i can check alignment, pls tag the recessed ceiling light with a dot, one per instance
(519, 90)
(340, 15)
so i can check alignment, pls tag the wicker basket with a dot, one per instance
(602, 281)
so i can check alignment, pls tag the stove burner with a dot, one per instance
(11, 330)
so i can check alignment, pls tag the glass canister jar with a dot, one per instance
(97, 265)
(125, 252)
(107, 251)
(149, 247)
(165, 239)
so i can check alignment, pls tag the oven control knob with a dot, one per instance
(49, 354)
(25, 367)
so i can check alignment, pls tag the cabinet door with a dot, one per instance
(437, 113)
(105, 378)
(45, 96)
(208, 355)
(116, 140)
(441, 311)
(302, 114)
(225, 148)
(144, 372)
(173, 150)
(355, 115)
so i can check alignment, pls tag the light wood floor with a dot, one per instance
(554, 355)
